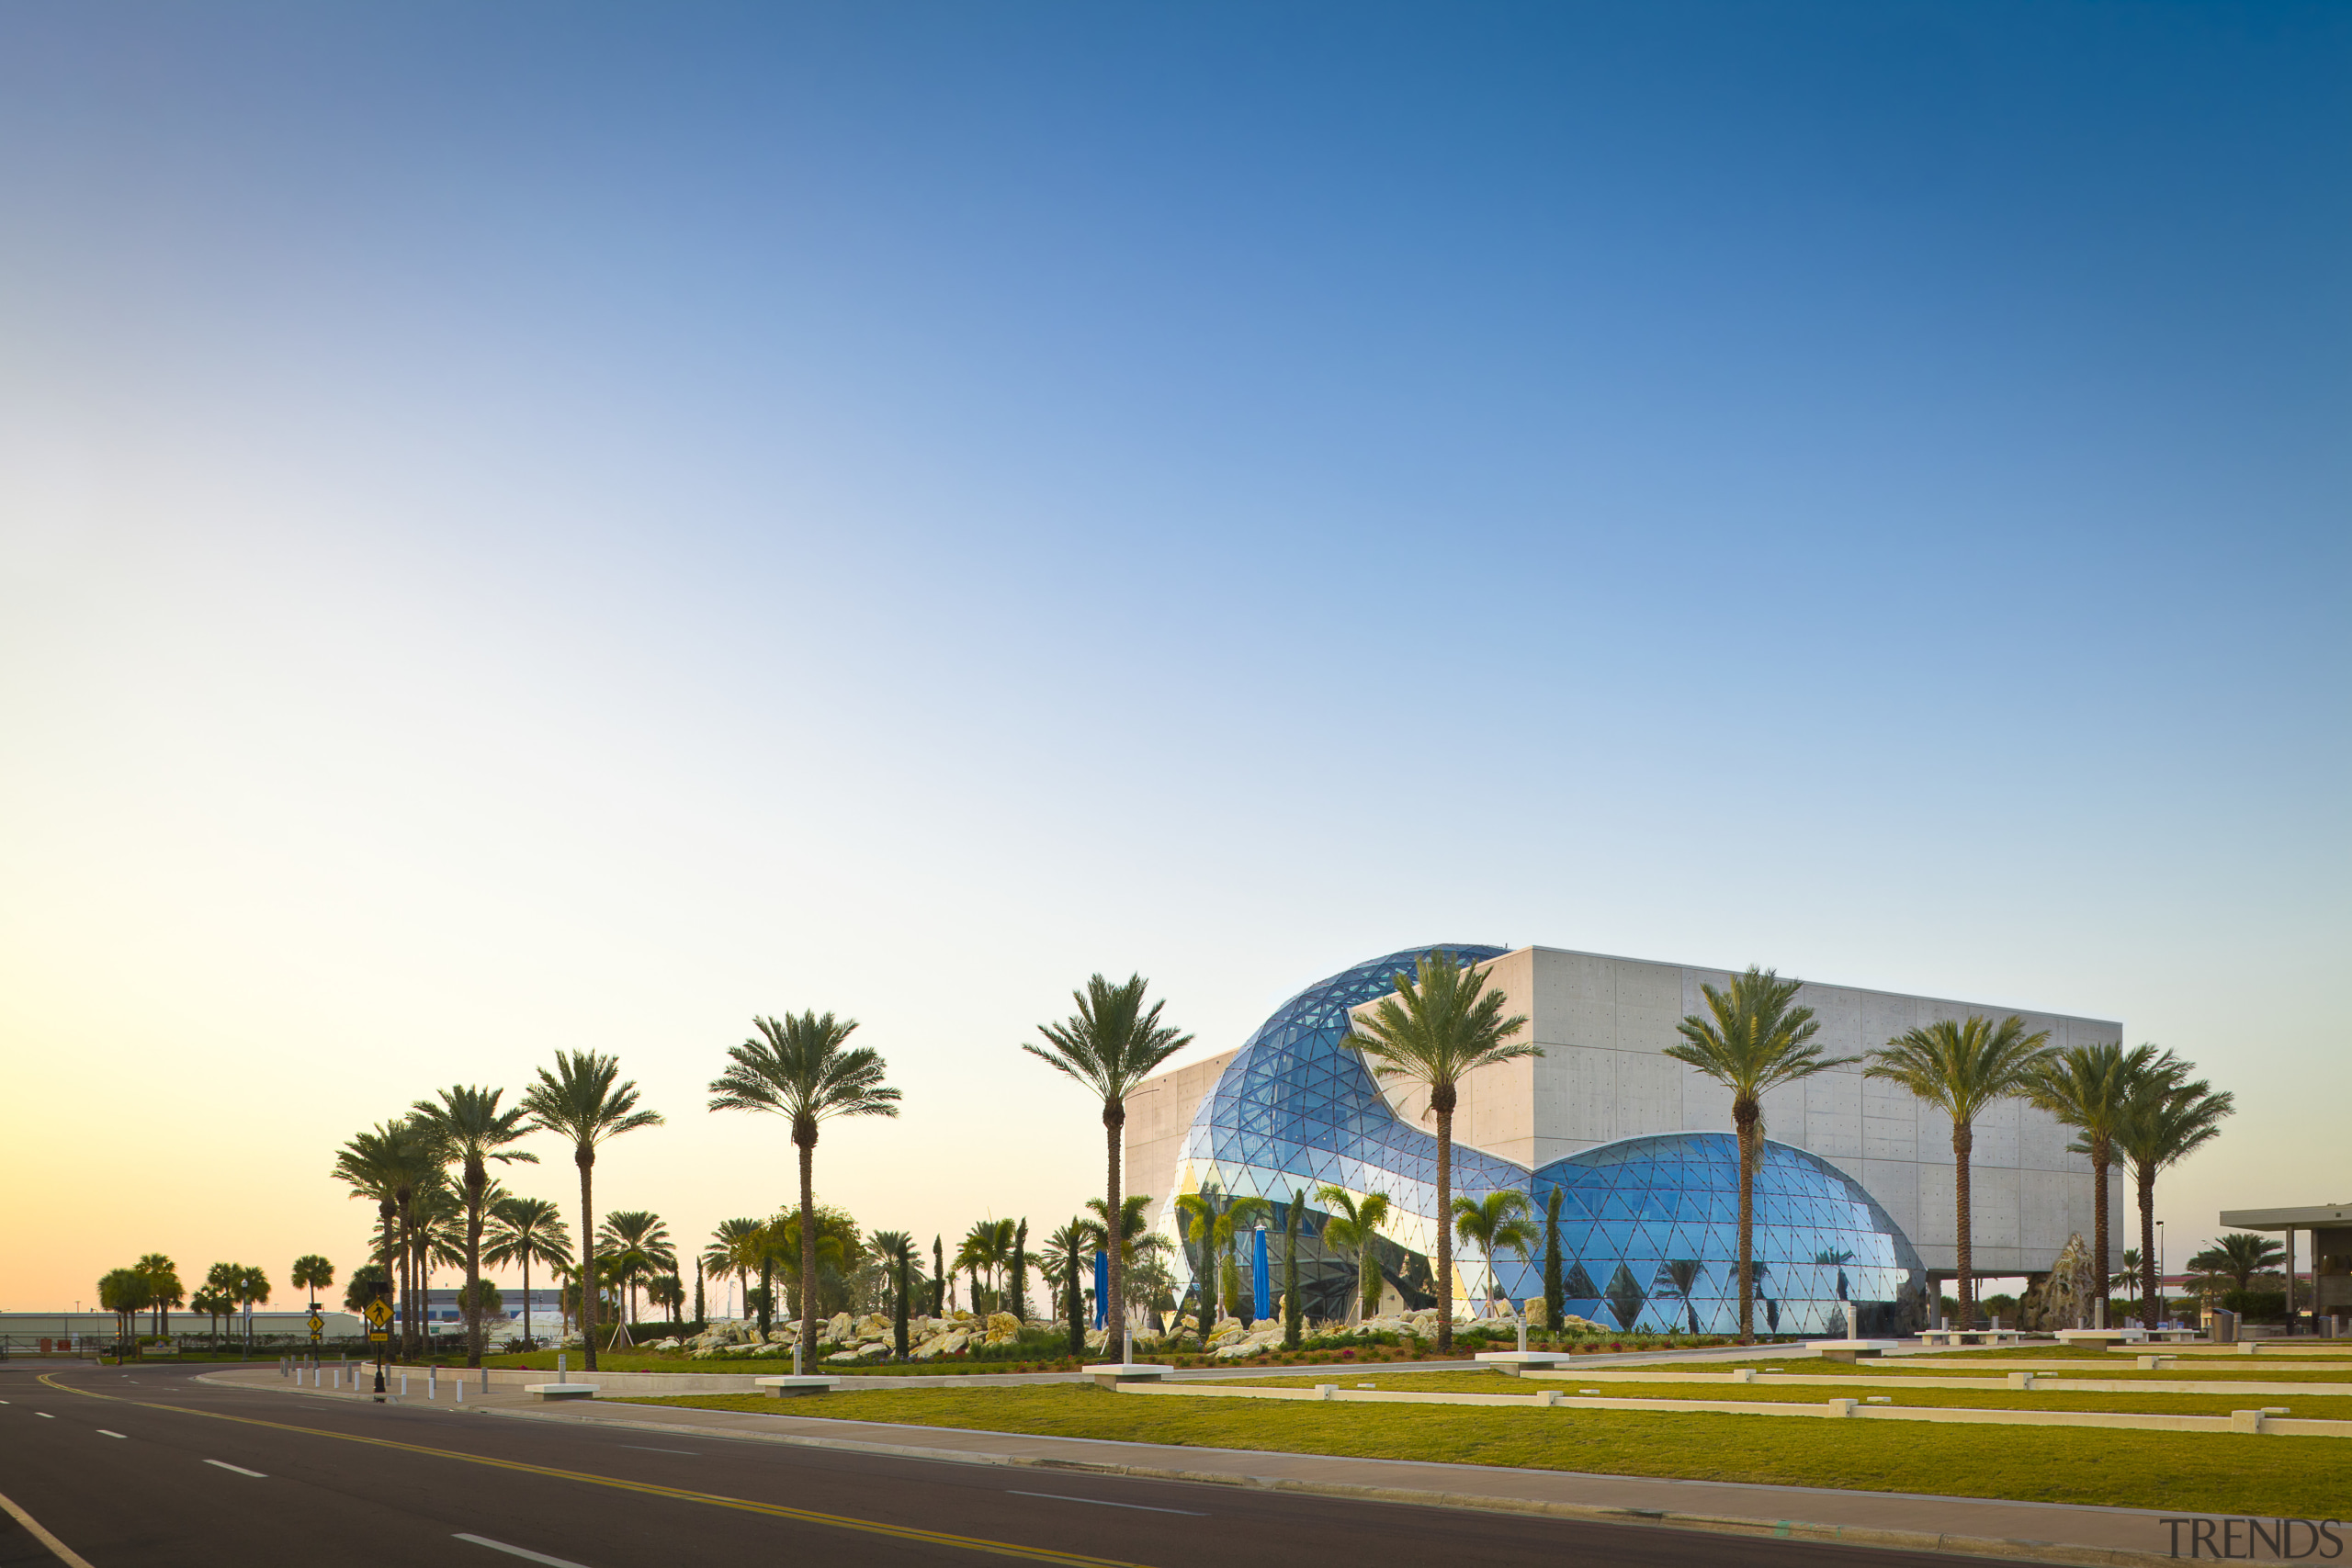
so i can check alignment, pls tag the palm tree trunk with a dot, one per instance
(2101, 1152)
(477, 1180)
(1964, 1141)
(585, 1158)
(2151, 1286)
(1745, 1114)
(1444, 1221)
(1115, 1121)
(808, 1246)
(526, 1296)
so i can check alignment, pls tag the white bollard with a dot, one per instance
(485, 1380)
(559, 1359)
(403, 1385)
(433, 1381)
(461, 1390)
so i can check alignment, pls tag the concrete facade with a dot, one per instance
(1159, 1118)
(1604, 1024)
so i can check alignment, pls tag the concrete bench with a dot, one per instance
(1514, 1362)
(793, 1387)
(1111, 1374)
(1957, 1337)
(561, 1390)
(2102, 1336)
(1851, 1350)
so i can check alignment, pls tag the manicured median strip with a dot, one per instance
(2176, 1472)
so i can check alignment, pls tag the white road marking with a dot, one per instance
(643, 1448)
(1104, 1503)
(44, 1415)
(104, 1433)
(528, 1556)
(64, 1553)
(240, 1469)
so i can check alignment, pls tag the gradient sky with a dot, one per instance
(573, 526)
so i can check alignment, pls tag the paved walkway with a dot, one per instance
(2012, 1530)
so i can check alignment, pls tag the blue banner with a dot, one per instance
(1261, 1278)
(1101, 1289)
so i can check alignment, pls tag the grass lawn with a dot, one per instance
(2177, 1471)
(1816, 1394)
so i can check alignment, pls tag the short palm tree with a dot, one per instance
(1492, 1222)
(987, 1249)
(585, 1102)
(1754, 1040)
(1442, 1025)
(470, 1131)
(2239, 1255)
(2130, 1278)
(636, 1245)
(1064, 1257)
(2085, 1087)
(804, 1070)
(1109, 1045)
(124, 1292)
(523, 1231)
(1963, 1069)
(1219, 1223)
(2167, 1120)
(1354, 1229)
(667, 1291)
(734, 1251)
(165, 1291)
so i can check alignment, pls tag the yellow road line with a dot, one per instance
(65, 1553)
(643, 1488)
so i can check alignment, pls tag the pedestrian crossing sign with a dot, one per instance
(379, 1312)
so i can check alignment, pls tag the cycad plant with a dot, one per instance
(1963, 1069)
(1354, 1229)
(523, 1231)
(467, 1129)
(1109, 1045)
(1442, 1025)
(2166, 1120)
(1754, 1040)
(1492, 1222)
(2085, 1087)
(586, 1102)
(803, 1069)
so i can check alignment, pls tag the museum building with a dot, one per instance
(1854, 1197)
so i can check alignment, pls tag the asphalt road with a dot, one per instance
(160, 1470)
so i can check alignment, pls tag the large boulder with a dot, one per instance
(1003, 1328)
(836, 1328)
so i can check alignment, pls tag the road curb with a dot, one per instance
(1987, 1546)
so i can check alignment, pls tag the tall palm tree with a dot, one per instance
(1441, 1026)
(896, 1252)
(124, 1291)
(1963, 1069)
(2085, 1087)
(523, 1231)
(1755, 1040)
(583, 1101)
(2240, 1255)
(1497, 1221)
(734, 1251)
(1109, 1044)
(253, 1289)
(1355, 1228)
(803, 1069)
(165, 1291)
(312, 1273)
(385, 1164)
(636, 1245)
(2164, 1122)
(470, 1131)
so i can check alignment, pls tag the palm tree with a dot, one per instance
(1963, 1069)
(1441, 1026)
(2085, 1087)
(523, 1231)
(584, 1101)
(213, 1305)
(800, 1068)
(2240, 1255)
(987, 1247)
(1497, 1221)
(667, 1291)
(384, 1164)
(312, 1273)
(1293, 1212)
(1355, 1228)
(1109, 1044)
(636, 1245)
(896, 1252)
(2164, 1122)
(252, 1290)
(734, 1251)
(1222, 1222)
(124, 1292)
(165, 1291)
(1064, 1255)
(2129, 1278)
(470, 1131)
(1755, 1041)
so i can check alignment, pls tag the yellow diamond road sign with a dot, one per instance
(316, 1322)
(380, 1312)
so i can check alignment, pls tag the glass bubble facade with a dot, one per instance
(1649, 1232)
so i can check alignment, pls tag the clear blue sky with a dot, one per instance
(574, 525)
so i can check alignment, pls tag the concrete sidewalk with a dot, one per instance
(2038, 1532)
